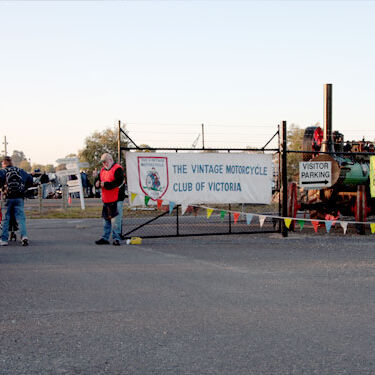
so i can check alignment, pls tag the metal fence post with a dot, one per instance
(230, 219)
(284, 179)
(177, 222)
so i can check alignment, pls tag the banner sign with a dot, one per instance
(185, 178)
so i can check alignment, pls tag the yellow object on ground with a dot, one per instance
(134, 241)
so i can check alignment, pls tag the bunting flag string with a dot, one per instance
(147, 199)
(328, 225)
(132, 197)
(315, 224)
(209, 212)
(262, 219)
(249, 217)
(171, 207)
(329, 221)
(184, 207)
(287, 222)
(159, 202)
(344, 226)
(301, 224)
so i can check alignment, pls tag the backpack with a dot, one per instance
(15, 186)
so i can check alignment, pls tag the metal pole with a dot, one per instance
(284, 178)
(202, 135)
(119, 143)
(230, 219)
(177, 222)
(279, 171)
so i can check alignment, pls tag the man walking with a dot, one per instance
(111, 179)
(14, 181)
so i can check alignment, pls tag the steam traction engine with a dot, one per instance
(349, 193)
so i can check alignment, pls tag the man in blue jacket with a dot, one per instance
(14, 181)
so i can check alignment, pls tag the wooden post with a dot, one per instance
(40, 196)
(64, 197)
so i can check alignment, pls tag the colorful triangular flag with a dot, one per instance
(328, 225)
(249, 217)
(315, 225)
(262, 219)
(147, 198)
(372, 226)
(287, 222)
(160, 202)
(344, 226)
(132, 196)
(301, 223)
(171, 207)
(222, 214)
(209, 212)
(183, 208)
(236, 215)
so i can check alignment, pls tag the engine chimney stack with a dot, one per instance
(327, 145)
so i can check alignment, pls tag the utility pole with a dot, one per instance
(5, 143)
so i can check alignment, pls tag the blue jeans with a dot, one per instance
(120, 208)
(111, 226)
(44, 191)
(15, 206)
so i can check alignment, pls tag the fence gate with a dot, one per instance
(166, 219)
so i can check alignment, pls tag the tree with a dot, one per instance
(295, 142)
(25, 165)
(143, 145)
(97, 144)
(49, 168)
(18, 157)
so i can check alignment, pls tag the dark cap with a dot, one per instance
(8, 159)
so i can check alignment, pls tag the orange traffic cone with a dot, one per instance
(70, 200)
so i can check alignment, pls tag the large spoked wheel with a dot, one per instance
(292, 203)
(360, 209)
(312, 141)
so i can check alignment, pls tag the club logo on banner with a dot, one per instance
(153, 176)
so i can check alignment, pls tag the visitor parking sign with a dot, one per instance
(315, 174)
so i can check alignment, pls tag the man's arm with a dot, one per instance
(2, 178)
(28, 180)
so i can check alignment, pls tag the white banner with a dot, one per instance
(200, 177)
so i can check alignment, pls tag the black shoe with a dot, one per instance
(116, 243)
(25, 241)
(102, 241)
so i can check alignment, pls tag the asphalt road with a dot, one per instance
(245, 304)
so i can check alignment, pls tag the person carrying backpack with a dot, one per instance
(14, 181)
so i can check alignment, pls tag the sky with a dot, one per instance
(163, 68)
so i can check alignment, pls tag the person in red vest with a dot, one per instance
(111, 179)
